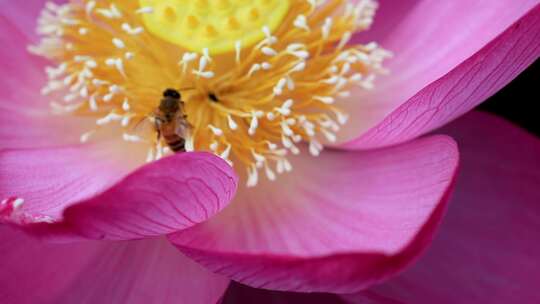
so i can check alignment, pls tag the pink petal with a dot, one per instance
(24, 14)
(239, 294)
(22, 77)
(22, 73)
(487, 250)
(337, 224)
(449, 57)
(148, 271)
(87, 194)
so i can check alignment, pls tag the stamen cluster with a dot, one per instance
(253, 105)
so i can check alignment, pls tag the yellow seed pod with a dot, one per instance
(214, 24)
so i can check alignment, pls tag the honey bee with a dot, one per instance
(170, 121)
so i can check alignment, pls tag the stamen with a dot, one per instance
(86, 136)
(238, 48)
(118, 43)
(301, 22)
(145, 10)
(232, 123)
(217, 131)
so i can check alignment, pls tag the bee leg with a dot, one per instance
(158, 129)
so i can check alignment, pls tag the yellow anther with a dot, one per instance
(181, 22)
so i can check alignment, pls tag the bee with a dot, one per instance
(170, 121)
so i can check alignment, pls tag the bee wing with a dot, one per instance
(144, 126)
(183, 127)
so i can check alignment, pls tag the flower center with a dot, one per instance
(216, 25)
(251, 81)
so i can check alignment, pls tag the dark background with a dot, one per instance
(519, 101)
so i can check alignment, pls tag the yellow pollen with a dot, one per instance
(210, 14)
(260, 80)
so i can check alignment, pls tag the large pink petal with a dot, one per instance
(449, 56)
(337, 224)
(148, 271)
(239, 294)
(487, 250)
(86, 194)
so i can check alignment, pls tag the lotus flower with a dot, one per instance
(91, 222)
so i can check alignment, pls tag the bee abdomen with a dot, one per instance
(177, 145)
